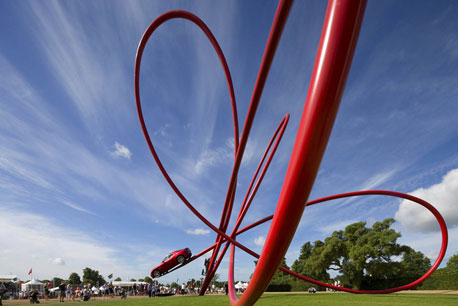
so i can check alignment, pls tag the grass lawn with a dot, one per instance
(321, 299)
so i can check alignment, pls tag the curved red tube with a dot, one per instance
(338, 41)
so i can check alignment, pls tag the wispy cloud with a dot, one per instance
(198, 231)
(35, 241)
(76, 207)
(78, 65)
(378, 180)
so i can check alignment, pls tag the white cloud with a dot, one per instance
(443, 196)
(57, 261)
(30, 240)
(121, 151)
(198, 231)
(260, 241)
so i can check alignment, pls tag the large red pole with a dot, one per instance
(338, 41)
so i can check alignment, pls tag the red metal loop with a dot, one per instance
(423, 203)
(341, 27)
(149, 31)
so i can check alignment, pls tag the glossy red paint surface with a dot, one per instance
(171, 260)
(335, 52)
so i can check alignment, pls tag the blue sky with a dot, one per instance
(79, 187)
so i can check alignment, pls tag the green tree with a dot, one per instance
(280, 280)
(191, 282)
(74, 279)
(306, 266)
(118, 279)
(281, 277)
(299, 264)
(215, 278)
(56, 281)
(358, 251)
(92, 276)
(174, 285)
(452, 264)
(133, 280)
(413, 264)
(148, 280)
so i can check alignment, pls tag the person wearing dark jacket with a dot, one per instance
(2, 291)
(34, 297)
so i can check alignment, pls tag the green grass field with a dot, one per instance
(321, 299)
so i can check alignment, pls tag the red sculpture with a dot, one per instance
(338, 41)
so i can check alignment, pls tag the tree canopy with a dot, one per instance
(92, 276)
(57, 281)
(359, 253)
(452, 264)
(148, 279)
(74, 279)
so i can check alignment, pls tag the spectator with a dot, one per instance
(68, 292)
(122, 293)
(46, 293)
(110, 289)
(86, 293)
(73, 293)
(2, 291)
(62, 289)
(34, 297)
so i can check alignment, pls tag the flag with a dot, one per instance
(110, 276)
(30, 272)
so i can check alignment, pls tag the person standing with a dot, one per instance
(2, 291)
(110, 289)
(46, 292)
(68, 292)
(62, 289)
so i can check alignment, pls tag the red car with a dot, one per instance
(170, 261)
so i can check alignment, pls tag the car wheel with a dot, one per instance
(180, 259)
(156, 273)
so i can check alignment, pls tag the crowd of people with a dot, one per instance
(85, 292)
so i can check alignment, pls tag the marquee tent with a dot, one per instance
(32, 284)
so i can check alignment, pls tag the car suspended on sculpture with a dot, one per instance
(170, 261)
(340, 32)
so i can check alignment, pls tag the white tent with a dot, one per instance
(8, 278)
(241, 285)
(127, 284)
(95, 290)
(32, 284)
